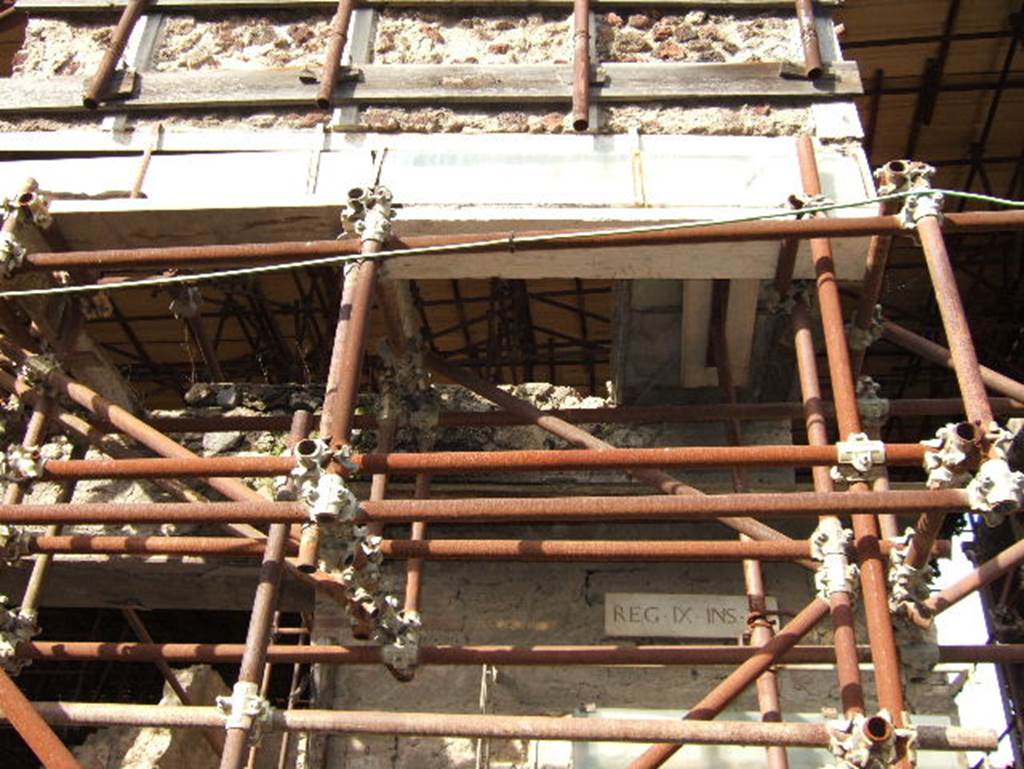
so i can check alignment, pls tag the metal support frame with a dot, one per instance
(828, 552)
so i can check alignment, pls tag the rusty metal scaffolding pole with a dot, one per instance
(512, 510)
(758, 623)
(954, 318)
(466, 462)
(337, 36)
(941, 356)
(844, 634)
(540, 655)
(578, 437)
(341, 395)
(813, 66)
(33, 727)
(420, 549)
(246, 690)
(99, 84)
(737, 682)
(890, 179)
(242, 254)
(986, 573)
(885, 653)
(581, 65)
(691, 731)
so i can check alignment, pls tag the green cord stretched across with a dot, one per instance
(510, 241)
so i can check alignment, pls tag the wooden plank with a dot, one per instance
(85, 6)
(398, 84)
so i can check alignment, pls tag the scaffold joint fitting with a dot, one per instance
(37, 369)
(22, 463)
(12, 254)
(858, 458)
(867, 742)
(996, 491)
(909, 587)
(35, 204)
(369, 212)
(874, 409)
(15, 628)
(245, 709)
(956, 453)
(830, 545)
(862, 338)
(12, 545)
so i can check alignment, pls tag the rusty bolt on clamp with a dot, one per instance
(874, 409)
(909, 587)
(369, 212)
(859, 459)
(996, 490)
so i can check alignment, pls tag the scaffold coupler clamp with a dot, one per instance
(12, 254)
(909, 588)
(874, 409)
(914, 179)
(22, 463)
(327, 496)
(400, 649)
(245, 709)
(15, 628)
(830, 546)
(37, 370)
(800, 291)
(13, 545)
(955, 452)
(996, 490)
(867, 742)
(368, 212)
(35, 204)
(858, 459)
(862, 338)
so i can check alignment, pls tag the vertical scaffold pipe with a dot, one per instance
(581, 66)
(874, 587)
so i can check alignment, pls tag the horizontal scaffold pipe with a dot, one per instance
(464, 462)
(499, 726)
(512, 510)
(538, 655)
(235, 255)
(458, 549)
(638, 415)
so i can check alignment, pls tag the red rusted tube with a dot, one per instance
(96, 91)
(736, 682)
(581, 66)
(813, 67)
(940, 356)
(844, 636)
(874, 265)
(511, 510)
(985, 574)
(885, 653)
(954, 321)
(33, 728)
(416, 541)
(191, 257)
(540, 550)
(336, 39)
(465, 462)
(498, 726)
(474, 655)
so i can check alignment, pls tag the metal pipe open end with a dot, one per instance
(580, 124)
(89, 102)
(323, 102)
(814, 73)
(878, 729)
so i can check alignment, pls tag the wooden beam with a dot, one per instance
(91, 6)
(407, 84)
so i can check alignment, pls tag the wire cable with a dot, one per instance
(510, 242)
